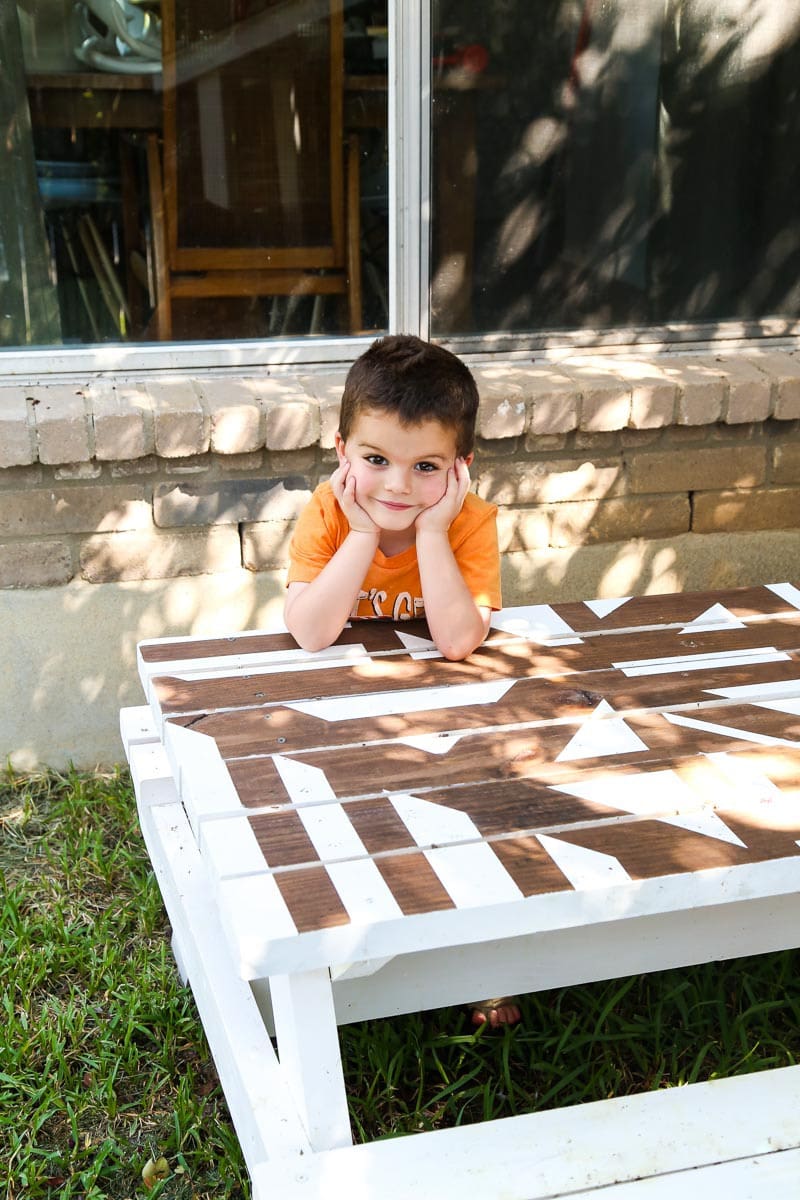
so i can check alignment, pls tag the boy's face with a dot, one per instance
(399, 469)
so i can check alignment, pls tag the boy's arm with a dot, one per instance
(457, 624)
(316, 612)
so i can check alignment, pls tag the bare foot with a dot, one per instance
(504, 1011)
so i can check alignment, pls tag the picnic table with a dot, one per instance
(601, 789)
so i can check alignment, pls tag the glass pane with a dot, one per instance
(616, 163)
(193, 170)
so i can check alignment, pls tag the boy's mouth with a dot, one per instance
(395, 506)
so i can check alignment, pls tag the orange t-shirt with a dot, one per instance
(392, 587)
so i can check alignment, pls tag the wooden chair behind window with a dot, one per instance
(259, 194)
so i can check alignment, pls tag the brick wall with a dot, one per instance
(597, 464)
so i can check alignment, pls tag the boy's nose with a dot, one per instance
(398, 480)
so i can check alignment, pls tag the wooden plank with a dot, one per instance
(609, 1144)
(269, 728)
(653, 652)
(263, 1113)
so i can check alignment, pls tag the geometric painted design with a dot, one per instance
(584, 746)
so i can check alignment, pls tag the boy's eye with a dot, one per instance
(427, 466)
(375, 460)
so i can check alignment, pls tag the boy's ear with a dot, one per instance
(468, 458)
(338, 443)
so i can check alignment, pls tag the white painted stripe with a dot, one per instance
(380, 704)
(787, 592)
(472, 874)
(601, 735)
(760, 739)
(715, 617)
(230, 848)
(202, 778)
(361, 887)
(602, 608)
(759, 693)
(539, 622)
(585, 869)
(254, 913)
(435, 743)
(700, 662)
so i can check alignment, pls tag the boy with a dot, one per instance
(396, 532)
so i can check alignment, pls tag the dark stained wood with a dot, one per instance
(518, 660)
(267, 729)
(504, 772)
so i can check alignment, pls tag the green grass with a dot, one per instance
(103, 1063)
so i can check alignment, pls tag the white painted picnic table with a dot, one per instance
(602, 788)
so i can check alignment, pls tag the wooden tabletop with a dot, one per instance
(589, 758)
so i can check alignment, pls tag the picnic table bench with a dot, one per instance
(601, 789)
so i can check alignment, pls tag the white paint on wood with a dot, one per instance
(418, 647)
(730, 731)
(660, 794)
(715, 617)
(601, 735)
(202, 778)
(537, 623)
(760, 693)
(602, 608)
(585, 869)
(381, 704)
(361, 887)
(471, 873)
(787, 592)
(700, 662)
(603, 1148)
(308, 1047)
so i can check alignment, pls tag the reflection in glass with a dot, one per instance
(599, 164)
(237, 193)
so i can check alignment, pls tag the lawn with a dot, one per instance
(104, 1066)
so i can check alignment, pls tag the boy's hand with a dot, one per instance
(344, 489)
(440, 516)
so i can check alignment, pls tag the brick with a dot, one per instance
(653, 393)
(701, 390)
(229, 502)
(235, 416)
(786, 464)
(547, 482)
(266, 546)
(17, 440)
(502, 412)
(79, 509)
(326, 390)
(35, 564)
(766, 508)
(123, 421)
(63, 428)
(748, 389)
(783, 372)
(617, 520)
(291, 425)
(522, 529)
(605, 397)
(181, 426)
(81, 471)
(153, 554)
(692, 469)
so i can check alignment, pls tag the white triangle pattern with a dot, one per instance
(599, 738)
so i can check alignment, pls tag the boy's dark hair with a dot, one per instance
(417, 381)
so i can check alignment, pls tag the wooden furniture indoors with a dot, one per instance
(253, 196)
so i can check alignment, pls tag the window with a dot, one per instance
(257, 173)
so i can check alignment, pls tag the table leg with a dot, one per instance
(308, 1049)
